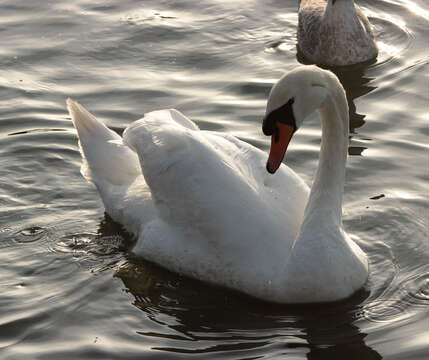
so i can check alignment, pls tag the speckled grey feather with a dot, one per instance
(335, 34)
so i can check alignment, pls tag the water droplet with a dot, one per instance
(30, 234)
(32, 231)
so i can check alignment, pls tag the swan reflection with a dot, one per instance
(188, 316)
(200, 319)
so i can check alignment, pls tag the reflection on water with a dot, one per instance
(195, 314)
(70, 288)
(356, 84)
(351, 346)
(191, 315)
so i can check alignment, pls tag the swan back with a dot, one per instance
(195, 172)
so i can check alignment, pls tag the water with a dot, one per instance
(70, 289)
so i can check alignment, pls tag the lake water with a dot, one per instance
(69, 287)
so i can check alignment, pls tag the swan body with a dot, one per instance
(334, 33)
(201, 203)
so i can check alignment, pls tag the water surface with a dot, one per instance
(69, 287)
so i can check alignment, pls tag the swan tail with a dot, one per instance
(104, 157)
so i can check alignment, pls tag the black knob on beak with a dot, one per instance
(268, 125)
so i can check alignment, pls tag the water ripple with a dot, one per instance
(386, 311)
(31, 234)
(393, 38)
(70, 288)
(417, 288)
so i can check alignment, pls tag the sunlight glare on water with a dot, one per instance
(70, 288)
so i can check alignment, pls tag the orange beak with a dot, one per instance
(279, 142)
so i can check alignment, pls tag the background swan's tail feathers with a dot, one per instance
(104, 159)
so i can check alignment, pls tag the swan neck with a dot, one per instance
(325, 202)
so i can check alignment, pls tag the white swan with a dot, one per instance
(334, 33)
(203, 204)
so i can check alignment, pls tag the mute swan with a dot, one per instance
(202, 203)
(334, 33)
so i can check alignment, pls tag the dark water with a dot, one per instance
(69, 288)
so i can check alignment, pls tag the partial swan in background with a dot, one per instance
(334, 33)
(201, 203)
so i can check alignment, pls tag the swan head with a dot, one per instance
(292, 99)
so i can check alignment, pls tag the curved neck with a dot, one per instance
(328, 264)
(325, 201)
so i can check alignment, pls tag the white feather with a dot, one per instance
(202, 203)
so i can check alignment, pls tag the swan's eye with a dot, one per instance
(283, 114)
